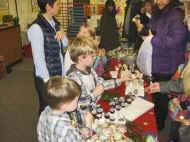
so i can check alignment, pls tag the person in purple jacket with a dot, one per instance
(169, 46)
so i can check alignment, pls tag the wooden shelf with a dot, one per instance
(10, 44)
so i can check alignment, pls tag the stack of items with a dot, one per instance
(64, 16)
(77, 20)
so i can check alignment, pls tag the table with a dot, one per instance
(146, 121)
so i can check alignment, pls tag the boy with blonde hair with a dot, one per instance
(58, 122)
(84, 31)
(83, 52)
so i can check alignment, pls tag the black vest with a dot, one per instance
(51, 46)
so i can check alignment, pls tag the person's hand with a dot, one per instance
(89, 119)
(59, 35)
(125, 76)
(138, 24)
(99, 89)
(153, 88)
(86, 133)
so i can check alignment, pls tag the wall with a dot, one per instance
(26, 15)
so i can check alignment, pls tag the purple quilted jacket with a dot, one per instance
(169, 41)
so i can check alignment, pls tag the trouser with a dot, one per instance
(174, 131)
(40, 88)
(161, 101)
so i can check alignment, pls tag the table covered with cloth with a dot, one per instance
(147, 120)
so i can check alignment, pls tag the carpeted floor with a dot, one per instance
(19, 105)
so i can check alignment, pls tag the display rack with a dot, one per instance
(64, 16)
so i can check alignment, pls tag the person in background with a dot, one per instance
(108, 27)
(130, 30)
(169, 45)
(58, 121)
(47, 42)
(142, 20)
(83, 52)
(84, 31)
(181, 86)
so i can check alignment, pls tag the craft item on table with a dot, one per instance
(118, 107)
(127, 111)
(121, 99)
(114, 74)
(129, 101)
(107, 96)
(107, 115)
(123, 105)
(109, 132)
(112, 110)
(135, 87)
(117, 53)
(112, 103)
(98, 116)
(99, 110)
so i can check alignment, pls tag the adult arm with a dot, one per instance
(175, 86)
(36, 39)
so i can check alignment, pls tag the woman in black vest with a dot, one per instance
(47, 41)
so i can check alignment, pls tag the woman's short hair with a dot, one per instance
(42, 4)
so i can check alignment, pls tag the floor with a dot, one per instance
(19, 105)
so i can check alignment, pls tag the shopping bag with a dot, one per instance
(144, 57)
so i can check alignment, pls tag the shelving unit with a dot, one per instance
(65, 13)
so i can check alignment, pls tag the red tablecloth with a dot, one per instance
(146, 121)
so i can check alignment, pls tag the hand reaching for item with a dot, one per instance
(153, 88)
(124, 76)
(99, 89)
(89, 119)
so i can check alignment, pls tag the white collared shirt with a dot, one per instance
(35, 36)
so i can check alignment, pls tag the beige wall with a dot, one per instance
(25, 13)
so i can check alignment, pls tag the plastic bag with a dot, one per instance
(144, 58)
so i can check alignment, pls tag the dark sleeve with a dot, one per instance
(175, 86)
